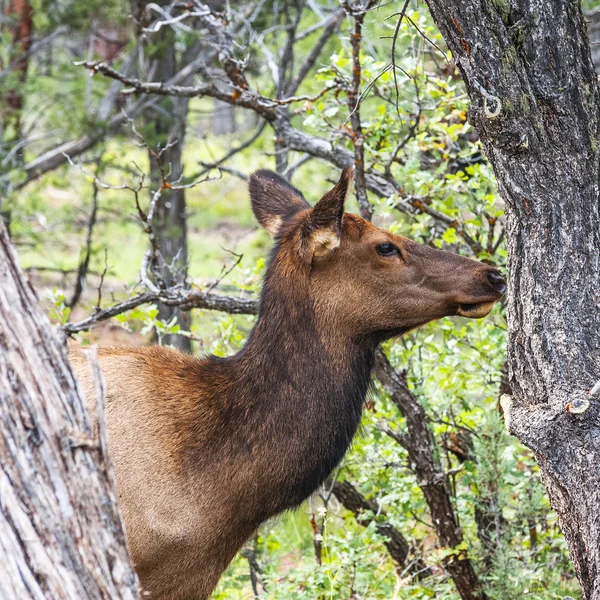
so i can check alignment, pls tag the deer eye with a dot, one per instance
(388, 249)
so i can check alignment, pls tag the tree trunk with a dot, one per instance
(61, 535)
(18, 21)
(535, 104)
(19, 17)
(170, 224)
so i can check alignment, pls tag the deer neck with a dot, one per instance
(301, 388)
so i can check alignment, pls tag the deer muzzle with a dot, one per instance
(477, 310)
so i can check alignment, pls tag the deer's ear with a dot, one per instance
(274, 200)
(323, 230)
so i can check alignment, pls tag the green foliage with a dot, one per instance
(78, 15)
(415, 126)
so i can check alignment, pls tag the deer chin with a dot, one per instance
(475, 311)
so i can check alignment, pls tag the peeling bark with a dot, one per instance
(61, 536)
(535, 104)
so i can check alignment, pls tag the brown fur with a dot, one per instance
(206, 449)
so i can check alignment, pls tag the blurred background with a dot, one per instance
(101, 181)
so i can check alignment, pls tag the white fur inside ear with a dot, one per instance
(272, 225)
(324, 241)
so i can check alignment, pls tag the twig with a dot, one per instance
(354, 101)
(398, 437)
(241, 96)
(95, 180)
(225, 271)
(84, 264)
(55, 157)
(64, 272)
(421, 204)
(169, 20)
(394, 40)
(231, 153)
(427, 39)
(249, 553)
(330, 27)
(100, 284)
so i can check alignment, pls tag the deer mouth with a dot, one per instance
(476, 310)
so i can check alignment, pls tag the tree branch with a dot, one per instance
(183, 298)
(396, 543)
(420, 446)
(330, 27)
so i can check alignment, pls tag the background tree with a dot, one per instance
(440, 500)
(165, 127)
(18, 27)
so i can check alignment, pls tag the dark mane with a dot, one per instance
(309, 424)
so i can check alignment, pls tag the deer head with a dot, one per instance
(363, 280)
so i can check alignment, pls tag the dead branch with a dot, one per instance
(82, 270)
(57, 156)
(183, 298)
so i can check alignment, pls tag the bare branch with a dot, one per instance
(331, 26)
(238, 96)
(231, 153)
(102, 276)
(183, 298)
(225, 271)
(58, 156)
(394, 40)
(398, 437)
(249, 553)
(84, 264)
(354, 101)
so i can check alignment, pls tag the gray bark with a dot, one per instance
(535, 104)
(61, 536)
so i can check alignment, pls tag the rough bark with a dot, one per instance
(420, 445)
(61, 536)
(535, 104)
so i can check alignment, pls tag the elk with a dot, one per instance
(206, 449)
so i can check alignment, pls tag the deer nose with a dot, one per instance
(497, 281)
